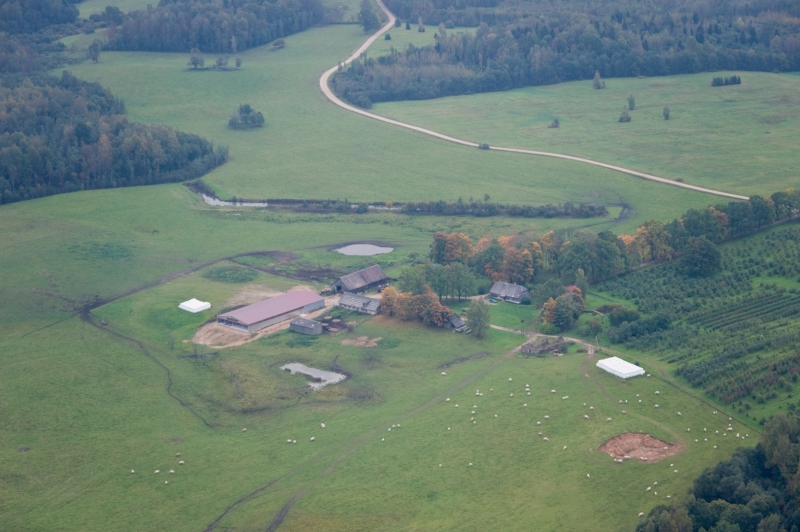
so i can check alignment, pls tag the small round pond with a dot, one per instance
(363, 250)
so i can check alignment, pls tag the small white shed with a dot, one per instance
(620, 368)
(194, 306)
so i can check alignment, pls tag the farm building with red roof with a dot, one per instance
(271, 311)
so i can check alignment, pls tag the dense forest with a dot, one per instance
(212, 27)
(26, 16)
(754, 491)
(63, 135)
(517, 45)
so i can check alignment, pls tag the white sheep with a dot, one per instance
(390, 430)
(181, 462)
(177, 454)
(648, 374)
(529, 393)
(648, 488)
(591, 408)
(157, 472)
(511, 395)
(688, 430)
(474, 422)
(383, 439)
(473, 412)
(715, 447)
(510, 379)
(166, 482)
(294, 441)
(588, 476)
(323, 424)
(547, 417)
(565, 397)
(695, 440)
(675, 471)
(680, 414)
(495, 415)
(620, 401)
(448, 428)
(244, 429)
(132, 471)
(171, 471)
(446, 401)
(656, 406)
(456, 406)
(704, 429)
(655, 493)
(641, 514)
(624, 412)
(526, 404)
(585, 416)
(538, 422)
(312, 438)
(640, 400)
(443, 373)
(658, 393)
(552, 391)
(565, 447)
(608, 419)
(440, 465)
(470, 464)
(655, 483)
(545, 438)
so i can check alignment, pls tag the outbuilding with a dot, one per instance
(271, 311)
(361, 280)
(194, 306)
(513, 293)
(305, 326)
(620, 368)
(364, 305)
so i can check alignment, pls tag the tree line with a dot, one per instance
(64, 135)
(485, 208)
(545, 43)
(754, 491)
(212, 27)
(27, 16)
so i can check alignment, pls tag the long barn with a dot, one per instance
(271, 311)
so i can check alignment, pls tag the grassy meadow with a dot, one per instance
(99, 376)
(313, 149)
(738, 138)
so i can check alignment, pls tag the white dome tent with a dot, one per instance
(620, 368)
(194, 306)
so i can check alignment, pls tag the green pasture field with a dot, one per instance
(739, 138)
(401, 38)
(90, 7)
(313, 149)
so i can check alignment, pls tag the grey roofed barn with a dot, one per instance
(305, 326)
(513, 293)
(360, 280)
(365, 305)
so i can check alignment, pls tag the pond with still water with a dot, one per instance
(319, 377)
(363, 250)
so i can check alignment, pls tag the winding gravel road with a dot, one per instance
(323, 85)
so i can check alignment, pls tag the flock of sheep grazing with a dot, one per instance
(657, 393)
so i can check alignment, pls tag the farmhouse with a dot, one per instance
(194, 306)
(513, 293)
(361, 280)
(271, 311)
(620, 368)
(305, 326)
(365, 305)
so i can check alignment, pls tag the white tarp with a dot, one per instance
(620, 368)
(194, 305)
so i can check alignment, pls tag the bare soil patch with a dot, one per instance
(362, 341)
(640, 446)
(219, 335)
(476, 356)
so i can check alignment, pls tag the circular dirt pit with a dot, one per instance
(639, 446)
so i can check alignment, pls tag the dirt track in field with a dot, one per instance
(325, 88)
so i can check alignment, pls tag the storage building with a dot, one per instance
(620, 368)
(305, 326)
(361, 280)
(194, 306)
(364, 305)
(271, 311)
(513, 293)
